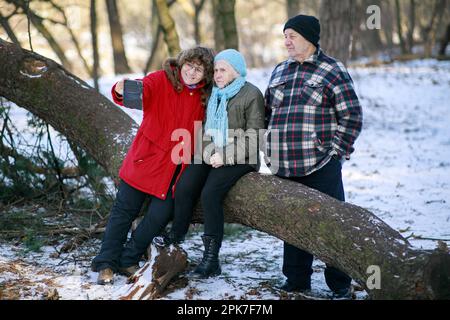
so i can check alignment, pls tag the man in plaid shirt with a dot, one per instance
(313, 117)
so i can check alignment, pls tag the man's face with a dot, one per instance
(296, 45)
(192, 73)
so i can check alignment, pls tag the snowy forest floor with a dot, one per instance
(400, 171)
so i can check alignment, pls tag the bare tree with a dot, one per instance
(168, 26)
(198, 7)
(429, 32)
(65, 24)
(95, 68)
(193, 9)
(337, 26)
(219, 37)
(445, 41)
(388, 23)
(38, 23)
(120, 58)
(412, 25)
(398, 12)
(4, 22)
(292, 8)
(226, 35)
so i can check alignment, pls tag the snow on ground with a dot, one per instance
(400, 171)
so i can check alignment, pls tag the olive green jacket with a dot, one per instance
(245, 119)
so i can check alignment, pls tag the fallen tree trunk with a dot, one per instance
(344, 235)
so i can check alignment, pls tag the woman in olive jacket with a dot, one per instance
(235, 113)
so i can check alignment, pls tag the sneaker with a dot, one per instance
(105, 276)
(129, 271)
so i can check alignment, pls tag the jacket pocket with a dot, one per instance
(312, 93)
(320, 145)
(144, 150)
(277, 94)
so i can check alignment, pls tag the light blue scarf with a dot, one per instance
(217, 116)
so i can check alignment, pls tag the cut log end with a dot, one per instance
(150, 282)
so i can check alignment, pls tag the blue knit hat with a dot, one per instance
(235, 59)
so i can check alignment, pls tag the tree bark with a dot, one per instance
(445, 41)
(225, 16)
(412, 25)
(292, 8)
(219, 40)
(96, 64)
(388, 23)
(341, 234)
(198, 7)
(168, 25)
(120, 58)
(398, 12)
(337, 25)
(159, 49)
(430, 30)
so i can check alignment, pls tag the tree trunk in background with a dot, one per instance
(95, 67)
(9, 31)
(219, 38)
(430, 31)
(388, 23)
(445, 41)
(336, 22)
(159, 49)
(398, 14)
(341, 234)
(412, 25)
(198, 7)
(120, 58)
(224, 14)
(168, 26)
(292, 8)
(366, 42)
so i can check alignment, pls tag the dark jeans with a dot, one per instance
(297, 263)
(211, 185)
(126, 208)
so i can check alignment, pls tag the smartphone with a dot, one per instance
(132, 94)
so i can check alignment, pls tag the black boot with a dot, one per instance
(209, 266)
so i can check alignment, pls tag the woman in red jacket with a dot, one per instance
(173, 98)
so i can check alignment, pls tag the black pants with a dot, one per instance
(297, 263)
(211, 185)
(126, 208)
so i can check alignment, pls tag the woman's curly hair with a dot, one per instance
(199, 55)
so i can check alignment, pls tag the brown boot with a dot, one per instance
(105, 276)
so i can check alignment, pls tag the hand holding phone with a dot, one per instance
(119, 87)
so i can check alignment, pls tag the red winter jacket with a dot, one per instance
(148, 166)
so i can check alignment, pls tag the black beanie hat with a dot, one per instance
(307, 26)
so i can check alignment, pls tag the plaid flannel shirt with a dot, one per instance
(312, 114)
